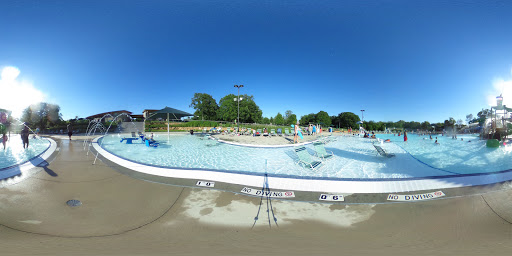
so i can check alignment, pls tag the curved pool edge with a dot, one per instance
(16, 170)
(311, 185)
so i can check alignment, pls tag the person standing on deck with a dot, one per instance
(296, 133)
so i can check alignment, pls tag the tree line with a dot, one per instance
(47, 116)
(207, 109)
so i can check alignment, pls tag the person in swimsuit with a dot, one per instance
(4, 139)
(24, 136)
(70, 132)
(296, 133)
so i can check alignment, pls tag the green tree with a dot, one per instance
(469, 118)
(287, 114)
(41, 114)
(400, 124)
(348, 120)
(323, 118)
(426, 126)
(482, 115)
(291, 119)
(412, 125)
(309, 118)
(438, 126)
(449, 123)
(249, 111)
(205, 105)
(265, 120)
(271, 120)
(279, 120)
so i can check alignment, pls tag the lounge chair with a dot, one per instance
(265, 133)
(321, 152)
(382, 152)
(287, 132)
(258, 132)
(248, 132)
(326, 139)
(272, 132)
(305, 158)
(279, 131)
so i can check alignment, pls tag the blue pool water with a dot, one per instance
(354, 157)
(14, 153)
(464, 155)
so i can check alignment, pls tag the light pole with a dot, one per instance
(362, 118)
(238, 99)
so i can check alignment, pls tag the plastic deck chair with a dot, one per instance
(305, 158)
(382, 152)
(321, 152)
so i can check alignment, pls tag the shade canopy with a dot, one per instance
(168, 113)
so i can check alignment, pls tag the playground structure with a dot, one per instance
(495, 128)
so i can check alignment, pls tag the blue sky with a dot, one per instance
(409, 60)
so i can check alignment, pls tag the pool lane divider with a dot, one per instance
(416, 197)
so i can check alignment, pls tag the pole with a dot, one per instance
(238, 119)
(238, 100)
(168, 135)
(362, 118)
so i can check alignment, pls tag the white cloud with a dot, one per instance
(16, 95)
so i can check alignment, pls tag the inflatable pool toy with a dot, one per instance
(128, 140)
(152, 144)
(298, 132)
(493, 143)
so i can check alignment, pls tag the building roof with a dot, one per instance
(111, 112)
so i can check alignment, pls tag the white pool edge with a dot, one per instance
(34, 162)
(312, 185)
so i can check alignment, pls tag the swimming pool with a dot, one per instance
(354, 157)
(15, 154)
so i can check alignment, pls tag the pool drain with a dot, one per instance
(73, 203)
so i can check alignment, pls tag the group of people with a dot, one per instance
(313, 129)
(25, 134)
(367, 135)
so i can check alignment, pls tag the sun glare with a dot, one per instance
(17, 95)
(10, 73)
(501, 87)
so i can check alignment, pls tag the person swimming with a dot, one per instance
(437, 143)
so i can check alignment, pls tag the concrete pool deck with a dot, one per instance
(122, 214)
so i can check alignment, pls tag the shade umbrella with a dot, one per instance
(168, 112)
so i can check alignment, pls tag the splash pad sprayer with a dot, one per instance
(106, 132)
